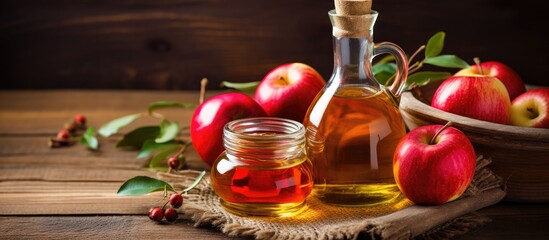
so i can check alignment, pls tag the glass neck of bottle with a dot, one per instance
(352, 60)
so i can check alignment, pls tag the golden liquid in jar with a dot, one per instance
(351, 138)
(256, 191)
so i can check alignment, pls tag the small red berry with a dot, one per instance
(176, 200)
(173, 163)
(63, 134)
(156, 214)
(79, 118)
(170, 214)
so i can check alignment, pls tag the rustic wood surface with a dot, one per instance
(69, 193)
(172, 44)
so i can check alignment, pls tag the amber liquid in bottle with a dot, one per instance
(351, 137)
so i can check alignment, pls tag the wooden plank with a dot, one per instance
(36, 112)
(28, 158)
(84, 100)
(172, 44)
(68, 173)
(67, 198)
(37, 146)
(101, 227)
(166, 45)
(73, 161)
(46, 112)
(73, 169)
(21, 152)
(79, 168)
(532, 226)
(48, 123)
(53, 169)
(62, 198)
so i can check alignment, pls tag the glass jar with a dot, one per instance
(264, 170)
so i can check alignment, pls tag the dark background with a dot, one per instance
(173, 44)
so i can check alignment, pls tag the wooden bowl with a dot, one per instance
(520, 155)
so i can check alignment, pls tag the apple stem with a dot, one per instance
(439, 131)
(532, 113)
(203, 84)
(477, 62)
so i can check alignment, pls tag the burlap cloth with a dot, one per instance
(399, 220)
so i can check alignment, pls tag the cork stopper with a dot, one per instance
(353, 7)
(353, 18)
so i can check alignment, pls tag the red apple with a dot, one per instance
(508, 76)
(434, 172)
(288, 90)
(531, 109)
(211, 116)
(478, 97)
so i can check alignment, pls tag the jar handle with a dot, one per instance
(401, 65)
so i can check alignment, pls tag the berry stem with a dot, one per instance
(438, 132)
(416, 66)
(185, 129)
(415, 54)
(56, 142)
(165, 204)
(182, 149)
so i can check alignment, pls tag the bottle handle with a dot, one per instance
(401, 65)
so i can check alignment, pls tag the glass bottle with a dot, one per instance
(353, 125)
(264, 170)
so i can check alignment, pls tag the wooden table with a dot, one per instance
(70, 192)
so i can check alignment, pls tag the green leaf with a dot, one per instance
(89, 140)
(137, 137)
(422, 78)
(449, 61)
(435, 45)
(115, 125)
(160, 160)
(244, 87)
(151, 146)
(196, 182)
(384, 67)
(168, 131)
(168, 104)
(384, 72)
(383, 78)
(141, 185)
